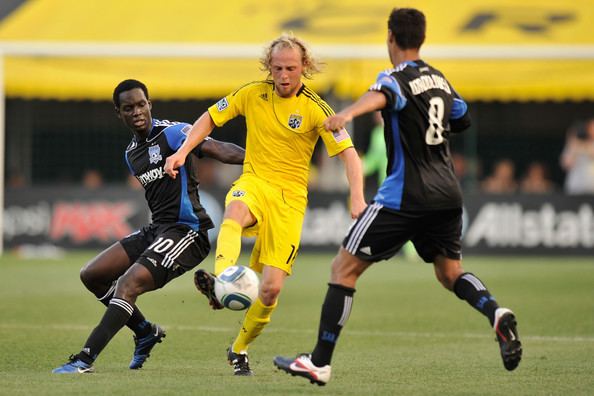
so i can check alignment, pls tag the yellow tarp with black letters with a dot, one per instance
(481, 23)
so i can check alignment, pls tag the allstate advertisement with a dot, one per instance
(74, 218)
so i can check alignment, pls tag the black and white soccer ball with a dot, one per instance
(237, 287)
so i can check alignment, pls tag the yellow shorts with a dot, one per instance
(278, 226)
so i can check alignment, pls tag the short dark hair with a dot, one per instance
(127, 85)
(408, 26)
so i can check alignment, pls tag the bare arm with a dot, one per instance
(225, 152)
(354, 174)
(201, 129)
(370, 101)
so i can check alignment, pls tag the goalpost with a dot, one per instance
(252, 51)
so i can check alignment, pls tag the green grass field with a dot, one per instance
(406, 335)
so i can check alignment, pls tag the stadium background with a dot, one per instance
(527, 71)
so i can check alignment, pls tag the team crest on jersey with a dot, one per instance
(295, 121)
(222, 104)
(238, 193)
(154, 154)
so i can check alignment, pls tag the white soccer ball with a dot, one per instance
(237, 287)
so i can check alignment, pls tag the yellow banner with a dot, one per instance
(485, 75)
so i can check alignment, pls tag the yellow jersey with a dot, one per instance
(281, 134)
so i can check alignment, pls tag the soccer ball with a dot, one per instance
(237, 287)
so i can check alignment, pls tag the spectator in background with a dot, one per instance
(461, 170)
(536, 179)
(133, 183)
(577, 159)
(502, 179)
(16, 180)
(92, 179)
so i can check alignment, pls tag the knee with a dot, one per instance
(346, 269)
(88, 277)
(448, 278)
(269, 293)
(126, 289)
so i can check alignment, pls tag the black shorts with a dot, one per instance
(379, 233)
(167, 250)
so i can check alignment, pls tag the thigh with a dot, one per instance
(277, 243)
(176, 249)
(440, 235)
(378, 233)
(248, 190)
(107, 266)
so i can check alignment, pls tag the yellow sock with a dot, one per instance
(256, 318)
(228, 245)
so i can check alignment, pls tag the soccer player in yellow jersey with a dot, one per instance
(284, 121)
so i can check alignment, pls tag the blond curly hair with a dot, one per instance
(310, 64)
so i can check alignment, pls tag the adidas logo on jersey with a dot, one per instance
(264, 96)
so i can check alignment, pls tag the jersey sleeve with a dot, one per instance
(334, 141)
(229, 107)
(388, 85)
(459, 117)
(176, 134)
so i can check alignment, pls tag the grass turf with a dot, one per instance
(406, 334)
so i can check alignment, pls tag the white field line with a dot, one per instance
(363, 333)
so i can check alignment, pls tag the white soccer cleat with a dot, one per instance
(505, 326)
(303, 367)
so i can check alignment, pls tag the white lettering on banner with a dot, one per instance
(510, 225)
(325, 225)
(31, 220)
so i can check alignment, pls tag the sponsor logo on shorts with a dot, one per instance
(238, 193)
(222, 104)
(152, 261)
(366, 250)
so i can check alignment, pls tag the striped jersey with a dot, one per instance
(170, 200)
(281, 134)
(422, 109)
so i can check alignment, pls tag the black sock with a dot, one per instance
(137, 322)
(117, 314)
(470, 288)
(335, 312)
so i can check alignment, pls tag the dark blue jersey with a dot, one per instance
(170, 200)
(422, 109)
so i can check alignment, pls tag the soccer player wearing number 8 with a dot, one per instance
(175, 241)
(420, 200)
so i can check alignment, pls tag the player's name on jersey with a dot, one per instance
(427, 82)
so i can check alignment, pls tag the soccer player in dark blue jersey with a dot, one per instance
(174, 242)
(420, 200)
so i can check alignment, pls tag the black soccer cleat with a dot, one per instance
(144, 345)
(240, 363)
(304, 367)
(507, 336)
(205, 283)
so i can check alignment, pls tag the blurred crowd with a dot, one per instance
(503, 176)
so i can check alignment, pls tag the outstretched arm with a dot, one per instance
(370, 101)
(354, 175)
(201, 129)
(225, 152)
